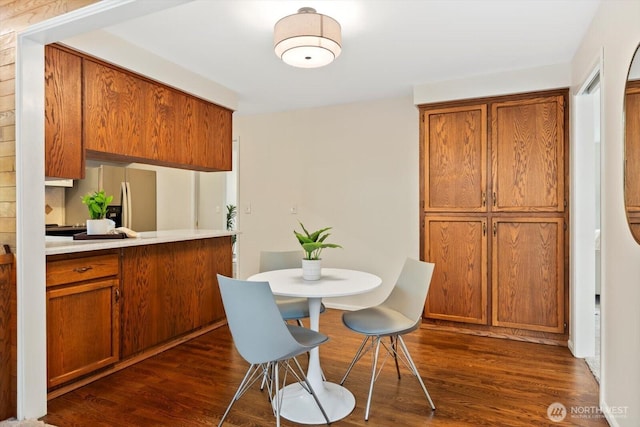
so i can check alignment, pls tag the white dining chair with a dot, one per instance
(266, 342)
(398, 315)
(290, 308)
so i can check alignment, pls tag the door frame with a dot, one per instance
(582, 217)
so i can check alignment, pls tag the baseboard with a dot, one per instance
(609, 414)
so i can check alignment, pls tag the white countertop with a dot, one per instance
(56, 245)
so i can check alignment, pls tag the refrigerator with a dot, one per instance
(133, 191)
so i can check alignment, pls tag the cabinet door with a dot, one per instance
(82, 329)
(160, 132)
(171, 289)
(458, 247)
(527, 147)
(7, 336)
(528, 273)
(64, 154)
(114, 111)
(454, 160)
(215, 128)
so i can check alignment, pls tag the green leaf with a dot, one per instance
(97, 203)
(313, 243)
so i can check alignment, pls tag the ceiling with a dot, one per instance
(388, 46)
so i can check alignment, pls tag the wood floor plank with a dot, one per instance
(474, 381)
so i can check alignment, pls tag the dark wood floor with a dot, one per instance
(474, 381)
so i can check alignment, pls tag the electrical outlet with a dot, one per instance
(294, 209)
(247, 208)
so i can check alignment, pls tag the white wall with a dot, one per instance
(505, 83)
(211, 201)
(615, 30)
(351, 167)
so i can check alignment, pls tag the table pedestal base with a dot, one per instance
(299, 406)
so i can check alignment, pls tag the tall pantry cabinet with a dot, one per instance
(494, 213)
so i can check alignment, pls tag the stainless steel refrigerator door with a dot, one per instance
(142, 187)
(110, 179)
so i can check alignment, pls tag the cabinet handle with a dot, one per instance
(484, 199)
(82, 269)
(117, 294)
(495, 229)
(494, 198)
(484, 228)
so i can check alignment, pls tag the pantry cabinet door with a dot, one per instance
(527, 148)
(458, 248)
(528, 273)
(454, 159)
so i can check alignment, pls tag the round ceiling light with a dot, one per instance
(307, 39)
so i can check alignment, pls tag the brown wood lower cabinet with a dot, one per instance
(458, 247)
(7, 337)
(171, 289)
(526, 281)
(82, 315)
(528, 274)
(109, 309)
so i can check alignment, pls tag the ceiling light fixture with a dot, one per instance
(307, 39)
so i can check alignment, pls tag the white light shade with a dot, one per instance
(307, 39)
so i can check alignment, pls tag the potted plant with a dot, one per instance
(232, 212)
(97, 203)
(313, 244)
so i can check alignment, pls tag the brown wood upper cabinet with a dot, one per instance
(493, 207)
(109, 113)
(455, 159)
(527, 149)
(64, 156)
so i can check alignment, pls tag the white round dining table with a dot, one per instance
(338, 402)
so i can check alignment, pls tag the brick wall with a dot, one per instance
(15, 15)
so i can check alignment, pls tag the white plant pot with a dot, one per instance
(311, 269)
(100, 226)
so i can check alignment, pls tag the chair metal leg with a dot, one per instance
(415, 371)
(301, 378)
(394, 347)
(355, 359)
(315, 397)
(241, 389)
(276, 392)
(373, 378)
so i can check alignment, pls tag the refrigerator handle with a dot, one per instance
(129, 206)
(125, 205)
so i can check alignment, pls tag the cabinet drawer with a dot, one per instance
(65, 271)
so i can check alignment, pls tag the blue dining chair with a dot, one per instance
(398, 315)
(264, 340)
(291, 308)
